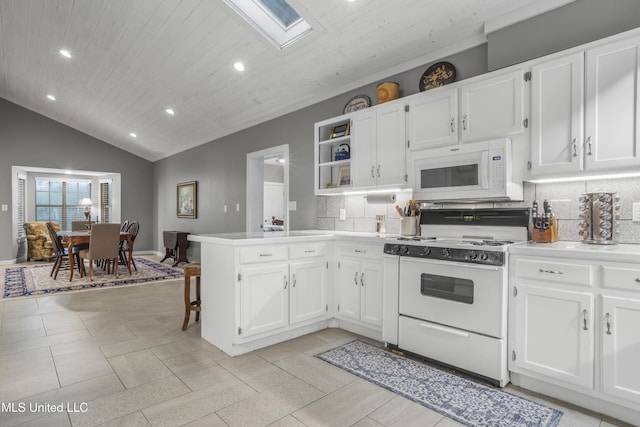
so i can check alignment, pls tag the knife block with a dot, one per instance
(548, 235)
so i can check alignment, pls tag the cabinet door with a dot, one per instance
(612, 121)
(492, 107)
(348, 289)
(363, 149)
(557, 113)
(264, 302)
(371, 297)
(554, 334)
(308, 292)
(433, 120)
(390, 168)
(621, 347)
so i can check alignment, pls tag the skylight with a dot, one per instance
(275, 19)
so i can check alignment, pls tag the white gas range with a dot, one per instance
(451, 304)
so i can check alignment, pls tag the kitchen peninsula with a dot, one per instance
(259, 289)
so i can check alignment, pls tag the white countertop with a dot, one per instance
(244, 238)
(622, 252)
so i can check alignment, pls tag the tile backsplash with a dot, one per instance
(564, 197)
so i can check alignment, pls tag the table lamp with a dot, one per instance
(87, 210)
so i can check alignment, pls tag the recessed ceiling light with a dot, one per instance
(239, 66)
(65, 53)
(51, 97)
(170, 111)
(133, 135)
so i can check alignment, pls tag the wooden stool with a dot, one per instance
(191, 270)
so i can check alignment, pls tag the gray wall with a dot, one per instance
(576, 23)
(29, 139)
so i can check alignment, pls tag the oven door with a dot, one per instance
(465, 296)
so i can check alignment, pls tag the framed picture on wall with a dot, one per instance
(187, 206)
(344, 176)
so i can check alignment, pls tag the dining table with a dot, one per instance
(71, 238)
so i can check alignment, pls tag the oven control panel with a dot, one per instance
(446, 254)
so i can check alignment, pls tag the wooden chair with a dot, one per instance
(104, 244)
(191, 270)
(60, 253)
(132, 229)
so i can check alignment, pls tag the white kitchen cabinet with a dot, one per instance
(433, 119)
(359, 284)
(492, 106)
(308, 293)
(557, 97)
(621, 347)
(575, 130)
(378, 141)
(555, 333)
(264, 298)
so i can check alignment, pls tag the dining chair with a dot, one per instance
(60, 252)
(80, 225)
(124, 226)
(132, 229)
(104, 244)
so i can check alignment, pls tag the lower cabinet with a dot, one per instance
(359, 284)
(308, 293)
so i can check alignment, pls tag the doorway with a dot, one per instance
(268, 190)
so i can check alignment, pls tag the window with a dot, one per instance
(59, 201)
(277, 20)
(105, 200)
(21, 208)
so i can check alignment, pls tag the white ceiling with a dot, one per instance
(132, 59)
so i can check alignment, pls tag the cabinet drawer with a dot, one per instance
(559, 272)
(621, 277)
(308, 250)
(361, 251)
(263, 254)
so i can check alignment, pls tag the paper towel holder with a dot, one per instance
(381, 198)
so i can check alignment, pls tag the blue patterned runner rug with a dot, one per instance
(35, 280)
(465, 401)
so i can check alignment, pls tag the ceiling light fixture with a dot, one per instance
(170, 111)
(239, 66)
(133, 135)
(65, 53)
(51, 97)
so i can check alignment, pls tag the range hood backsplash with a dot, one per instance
(361, 217)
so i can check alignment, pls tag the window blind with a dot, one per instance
(59, 201)
(105, 200)
(21, 208)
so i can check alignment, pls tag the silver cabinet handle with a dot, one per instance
(575, 147)
(589, 146)
(585, 317)
(293, 285)
(362, 279)
(307, 251)
(453, 120)
(637, 279)
(355, 278)
(360, 251)
(464, 122)
(551, 271)
(372, 175)
(378, 171)
(286, 282)
(266, 254)
(608, 316)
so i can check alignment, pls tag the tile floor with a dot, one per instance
(121, 353)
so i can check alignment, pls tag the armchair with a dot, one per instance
(39, 245)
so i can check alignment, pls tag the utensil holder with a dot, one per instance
(546, 235)
(408, 225)
(599, 218)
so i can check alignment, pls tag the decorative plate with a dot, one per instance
(439, 74)
(356, 103)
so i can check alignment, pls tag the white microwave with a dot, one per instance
(477, 171)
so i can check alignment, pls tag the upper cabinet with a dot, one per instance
(376, 147)
(487, 107)
(576, 130)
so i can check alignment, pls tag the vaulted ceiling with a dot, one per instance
(133, 59)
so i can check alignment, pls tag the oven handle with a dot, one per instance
(447, 263)
(439, 328)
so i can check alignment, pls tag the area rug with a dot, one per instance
(34, 280)
(468, 402)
